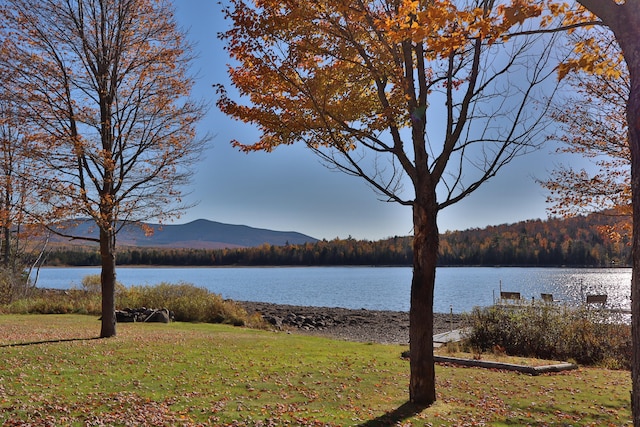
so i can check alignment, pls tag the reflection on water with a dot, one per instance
(463, 288)
(374, 288)
(616, 284)
(573, 286)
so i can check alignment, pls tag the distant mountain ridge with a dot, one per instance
(198, 234)
(583, 241)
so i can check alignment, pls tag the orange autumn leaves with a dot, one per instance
(447, 26)
(103, 89)
(306, 69)
(328, 73)
(593, 124)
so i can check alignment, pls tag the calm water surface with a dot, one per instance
(372, 288)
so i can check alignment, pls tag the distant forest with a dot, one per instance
(578, 241)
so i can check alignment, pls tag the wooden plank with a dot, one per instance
(531, 370)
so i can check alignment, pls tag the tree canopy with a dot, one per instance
(593, 124)
(104, 87)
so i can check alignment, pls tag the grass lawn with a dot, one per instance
(202, 374)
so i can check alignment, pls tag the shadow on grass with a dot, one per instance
(403, 412)
(21, 344)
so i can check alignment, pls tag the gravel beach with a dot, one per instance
(389, 327)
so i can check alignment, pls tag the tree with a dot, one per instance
(623, 18)
(104, 85)
(593, 124)
(431, 94)
(15, 198)
(21, 244)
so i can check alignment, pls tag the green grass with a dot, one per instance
(210, 374)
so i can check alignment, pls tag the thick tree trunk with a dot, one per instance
(422, 386)
(108, 281)
(633, 117)
(626, 27)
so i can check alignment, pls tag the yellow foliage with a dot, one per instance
(590, 56)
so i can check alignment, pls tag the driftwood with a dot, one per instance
(161, 315)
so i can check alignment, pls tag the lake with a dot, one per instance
(372, 288)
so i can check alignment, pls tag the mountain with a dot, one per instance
(198, 234)
(580, 241)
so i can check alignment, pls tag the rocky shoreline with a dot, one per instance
(388, 327)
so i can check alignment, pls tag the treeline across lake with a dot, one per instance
(396, 251)
(578, 241)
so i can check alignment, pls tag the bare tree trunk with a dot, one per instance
(7, 227)
(422, 386)
(6, 236)
(6, 246)
(108, 280)
(35, 265)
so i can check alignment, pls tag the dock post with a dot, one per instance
(451, 318)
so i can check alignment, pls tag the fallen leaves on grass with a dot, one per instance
(196, 374)
(584, 397)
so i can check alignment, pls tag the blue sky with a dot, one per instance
(290, 190)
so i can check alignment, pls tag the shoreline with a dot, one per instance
(361, 325)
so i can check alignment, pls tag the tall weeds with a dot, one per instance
(586, 335)
(188, 302)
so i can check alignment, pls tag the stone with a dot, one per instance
(274, 321)
(123, 316)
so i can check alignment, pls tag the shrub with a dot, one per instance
(14, 284)
(92, 284)
(57, 302)
(588, 336)
(189, 303)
